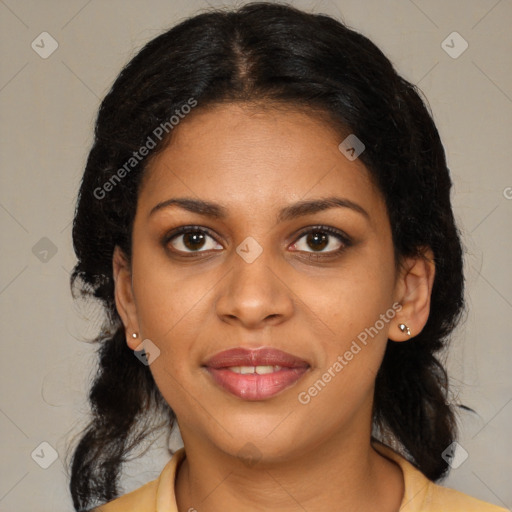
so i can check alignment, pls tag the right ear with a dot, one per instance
(124, 298)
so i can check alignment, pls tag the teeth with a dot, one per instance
(260, 370)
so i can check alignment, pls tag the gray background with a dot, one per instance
(47, 110)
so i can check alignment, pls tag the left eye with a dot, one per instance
(321, 240)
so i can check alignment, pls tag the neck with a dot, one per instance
(342, 473)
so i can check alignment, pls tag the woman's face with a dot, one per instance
(256, 269)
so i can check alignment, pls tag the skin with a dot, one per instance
(256, 160)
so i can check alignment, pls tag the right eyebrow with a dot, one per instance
(199, 206)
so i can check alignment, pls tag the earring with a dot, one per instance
(135, 335)
(405, 329)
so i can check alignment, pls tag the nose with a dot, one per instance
(255, 294)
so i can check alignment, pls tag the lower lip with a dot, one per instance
(253, 386)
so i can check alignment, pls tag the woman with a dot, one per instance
(265, 215)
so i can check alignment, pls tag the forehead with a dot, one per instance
(255, 159)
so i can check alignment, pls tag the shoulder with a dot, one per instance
(446, 499)
(423, 495)
(157, 494)
(141, 500)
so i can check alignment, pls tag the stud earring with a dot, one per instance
(135, 335)
(405, 329)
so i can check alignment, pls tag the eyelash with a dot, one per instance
(340, 235)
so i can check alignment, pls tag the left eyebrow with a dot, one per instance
(299, 209)
(308, 207)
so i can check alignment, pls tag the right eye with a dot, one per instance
(191, 239)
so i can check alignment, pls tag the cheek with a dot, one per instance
(357, 306)
(353, 298)
(169, 310)
(168, 299)
(341, 387)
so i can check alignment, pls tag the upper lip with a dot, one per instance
(264, 356)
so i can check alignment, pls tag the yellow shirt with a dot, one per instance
(421, 494)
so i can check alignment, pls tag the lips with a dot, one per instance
(256, 357)
(255, 374)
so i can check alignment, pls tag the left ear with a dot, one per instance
(413, 291)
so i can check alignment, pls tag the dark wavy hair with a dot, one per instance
(268, 53)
